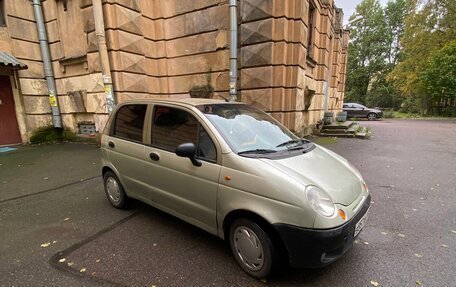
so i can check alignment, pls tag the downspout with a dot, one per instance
(328, 74)
(49, 73)
(103, 54)
(233, 50)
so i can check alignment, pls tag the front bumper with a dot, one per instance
(310, 248)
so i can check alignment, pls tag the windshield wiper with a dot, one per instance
(257, 151)
(293, 141)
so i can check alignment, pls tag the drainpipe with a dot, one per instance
(103, 54)
(45, 54)
(328, 74)
(233, 50)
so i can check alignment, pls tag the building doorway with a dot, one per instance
(9, 129)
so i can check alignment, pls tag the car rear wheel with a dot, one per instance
(252, 248)
(114, 190)
(372, 116)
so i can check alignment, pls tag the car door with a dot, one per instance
(174, 183)
(125, 146)
(350, 110)
(358, 111)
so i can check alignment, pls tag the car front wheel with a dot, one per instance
(252, 248)
(114, 190)
(372, 117)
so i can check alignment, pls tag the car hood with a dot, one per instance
(324, 169)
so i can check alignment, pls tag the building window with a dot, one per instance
(2, 14)
(310, 32)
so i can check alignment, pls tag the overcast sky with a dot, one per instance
(349, 7)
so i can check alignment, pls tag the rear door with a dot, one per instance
(175, 184)
(125, 146)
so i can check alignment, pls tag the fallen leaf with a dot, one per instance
(401, 235)
(93, 273)
(414, 209)
(98, 260)
(70, 264)
(418, 255)
(67, 218)
(263, 280)
(46, 178)
(44, 245)
(54, 242)
(454, 231)
(384, 233)
(82, 179)
(82, 270)
(444, 245)
(365, 242)
(374, 283)
(155, 244)
(62, 260)
(418, 282)
(437, 184)
(432, 188)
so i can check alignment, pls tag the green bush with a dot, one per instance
(51, 134)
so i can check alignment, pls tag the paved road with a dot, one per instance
(410, 237)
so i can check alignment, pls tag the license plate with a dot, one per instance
(359, 226)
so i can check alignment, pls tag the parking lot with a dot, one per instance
(58, 229)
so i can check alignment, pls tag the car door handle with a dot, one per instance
(153, 156)
(111, 144)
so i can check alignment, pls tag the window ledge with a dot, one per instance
(73, 61)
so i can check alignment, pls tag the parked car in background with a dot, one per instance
(355, 110)
(234, 171)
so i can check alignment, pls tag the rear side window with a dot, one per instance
(172, 127)
(129, 122)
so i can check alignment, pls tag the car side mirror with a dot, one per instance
(188, 150)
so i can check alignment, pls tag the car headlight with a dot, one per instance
(320, 201)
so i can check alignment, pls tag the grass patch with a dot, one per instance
(51, 134)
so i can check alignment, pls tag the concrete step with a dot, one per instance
(339, 125)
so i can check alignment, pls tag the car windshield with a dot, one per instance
(249, 130)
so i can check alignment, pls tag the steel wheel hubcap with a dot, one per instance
(248, 248)
(112, 187)
(372, 116)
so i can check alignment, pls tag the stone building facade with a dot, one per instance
(288, 51)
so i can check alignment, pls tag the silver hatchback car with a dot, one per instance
(236, 172)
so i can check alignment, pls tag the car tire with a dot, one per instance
(252, 248)
(372, 116)
(114, 190)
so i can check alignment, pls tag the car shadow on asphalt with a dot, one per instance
(151, 247)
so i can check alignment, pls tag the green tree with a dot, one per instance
(439, 80)
(429, 27)
(374, 50)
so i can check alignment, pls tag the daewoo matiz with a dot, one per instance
(236, 172)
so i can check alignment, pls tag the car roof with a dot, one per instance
(185, 101)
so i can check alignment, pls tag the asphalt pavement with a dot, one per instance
(58, 229)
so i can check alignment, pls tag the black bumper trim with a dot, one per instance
(311, 248)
